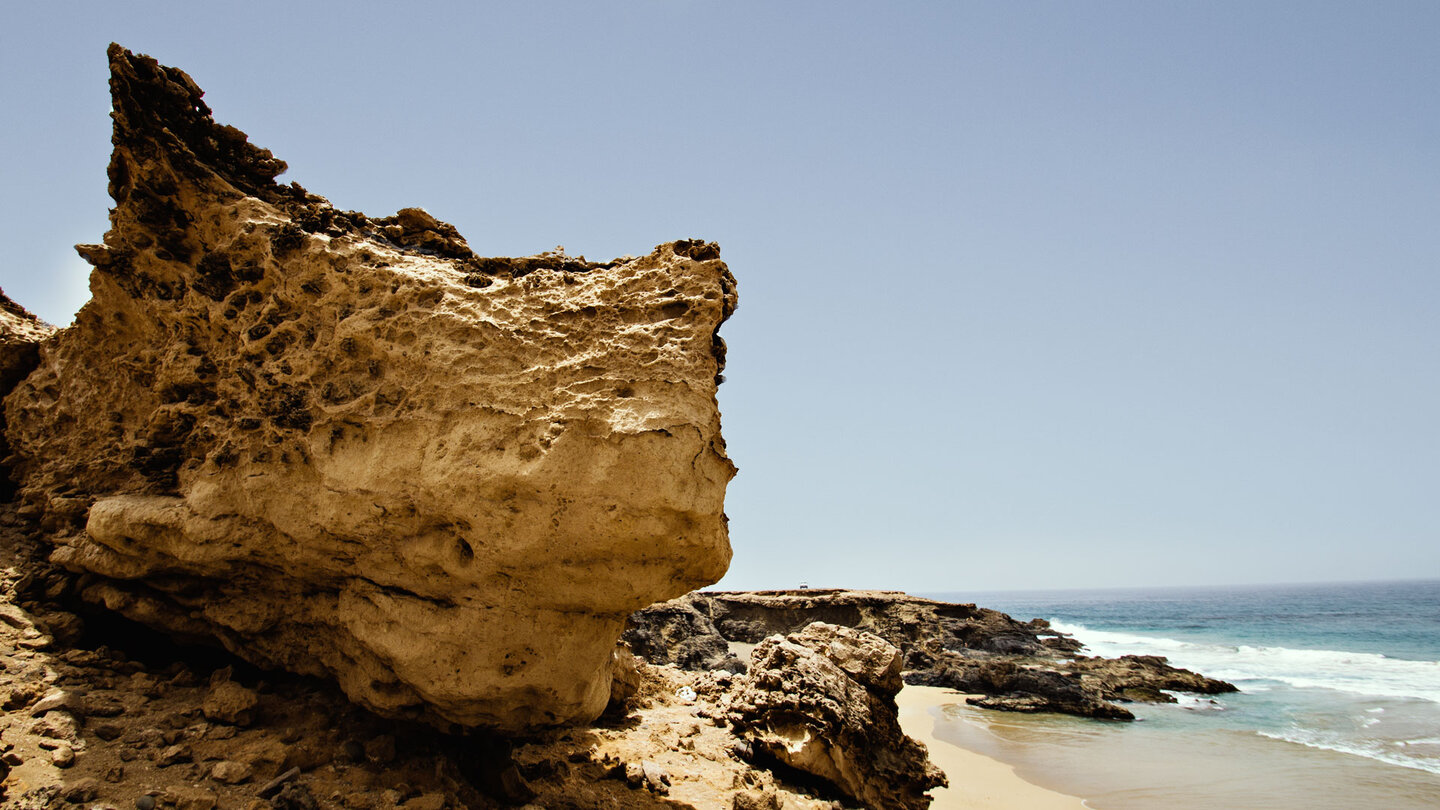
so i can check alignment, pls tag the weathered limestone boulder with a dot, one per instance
(351, 447)
(823, 701)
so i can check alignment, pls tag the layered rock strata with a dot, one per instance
(822, 701)
(1011, 665)
(351, 447)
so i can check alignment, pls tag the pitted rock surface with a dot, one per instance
(822, 701)
(351, 447)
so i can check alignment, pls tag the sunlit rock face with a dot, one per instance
(822, 701)
(350, 447)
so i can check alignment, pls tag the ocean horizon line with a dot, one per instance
(934, 593)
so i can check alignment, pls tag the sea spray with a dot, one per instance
(1358, 673)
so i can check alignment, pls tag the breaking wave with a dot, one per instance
(1353, 672)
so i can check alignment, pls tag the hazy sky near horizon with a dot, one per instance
(1032, 295)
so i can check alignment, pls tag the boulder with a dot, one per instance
(822, 701)
(229, 702)
(349, 446)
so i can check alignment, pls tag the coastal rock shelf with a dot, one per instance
(349, 446)
(1010, 665)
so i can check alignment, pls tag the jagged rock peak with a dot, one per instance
(349, 446)
(160, 110)
(164, 132)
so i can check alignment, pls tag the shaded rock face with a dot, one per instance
(350, 447)
(20, 336)
(822, 701)
(1012, 665)
(678, 632)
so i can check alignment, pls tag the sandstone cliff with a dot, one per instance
(351, 447)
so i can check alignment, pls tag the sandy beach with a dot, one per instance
(977, 782)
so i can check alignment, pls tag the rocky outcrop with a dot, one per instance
(1144, 677)
(822, 701)
(1011, 685)
(1089, 687)
(678, 632)
(351, 447)
(123, 718)
(20, 336)
(1011, 665)
(914, 624)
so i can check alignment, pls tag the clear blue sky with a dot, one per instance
(1031, 294)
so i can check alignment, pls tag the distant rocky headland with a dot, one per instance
(310, 509)
(1001, 662)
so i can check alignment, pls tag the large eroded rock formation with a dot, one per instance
(350, 446)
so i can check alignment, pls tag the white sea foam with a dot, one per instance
(1372, 749)
(1195, 702)
(1353, 672)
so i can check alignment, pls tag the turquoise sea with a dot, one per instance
(1339, 702)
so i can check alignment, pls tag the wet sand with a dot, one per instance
(1173, 757)
(977, 782)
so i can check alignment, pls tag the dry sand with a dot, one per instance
(977, 782)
